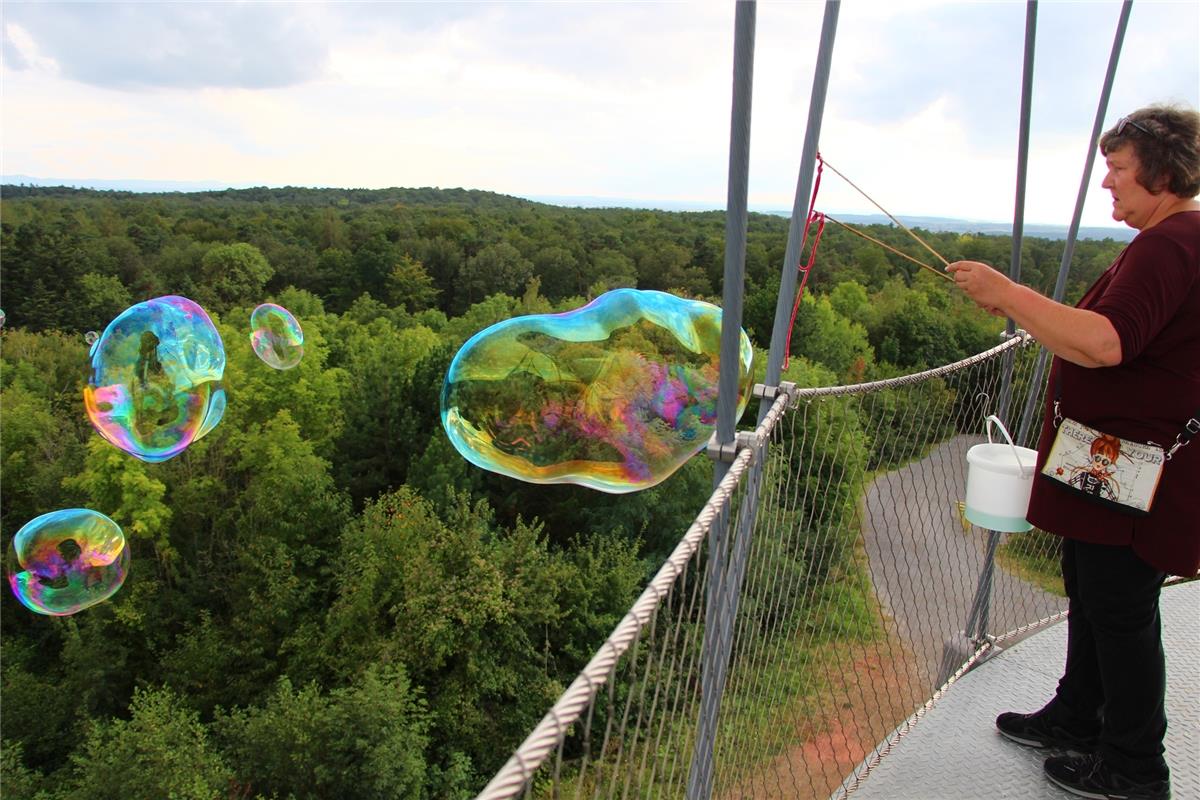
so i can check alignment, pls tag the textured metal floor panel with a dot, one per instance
(954, 751)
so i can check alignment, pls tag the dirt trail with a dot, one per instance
(834, 740)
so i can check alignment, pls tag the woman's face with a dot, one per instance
(1133, 204)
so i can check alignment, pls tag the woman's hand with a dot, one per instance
(987, 287)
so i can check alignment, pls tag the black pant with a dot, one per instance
(1115, 675)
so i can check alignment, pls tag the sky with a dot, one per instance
(624, 100)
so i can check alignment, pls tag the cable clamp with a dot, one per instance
(727, 451)
(771, 392)
(1019, 333)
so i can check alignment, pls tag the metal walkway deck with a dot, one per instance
(955, 752)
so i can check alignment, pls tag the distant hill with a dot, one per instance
(938, 224)
(138, 186)
(291, 195)
(18, 185)
(1123, 234)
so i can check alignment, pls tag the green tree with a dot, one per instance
(410, 286)
(386, 426)
(443, 259)
(231, 274)
(17, 779)
(496, 268)
(313, 393)
(288, 493)
(177, 265)
(121, 486)
(161, 751)
(559, 272)
(333, 268)
(40, 719)
(465, 609)
(611, 269)
(826, 337)
(908, 332)
(366, 740)
(38, 451)
(374, 262)
(294, 265)
(42, 262)
(329, 230)
(850, 300)
(101, 299)
(665, 266)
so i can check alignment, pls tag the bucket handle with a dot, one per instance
(994, 419)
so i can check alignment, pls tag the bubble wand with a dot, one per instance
(889, 216)
(886, 246)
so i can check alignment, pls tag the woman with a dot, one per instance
(1127, 363)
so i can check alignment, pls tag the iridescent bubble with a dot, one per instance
(156, 378)
(276, 336)
(3, 318)
(90, 337)
(67, 560)
(615, 396)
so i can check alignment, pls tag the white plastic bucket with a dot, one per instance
(999, 480)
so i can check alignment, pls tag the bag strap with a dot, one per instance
(1191, 428)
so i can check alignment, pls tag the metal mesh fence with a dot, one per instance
(862, 592)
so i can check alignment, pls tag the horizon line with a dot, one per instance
(159, 186)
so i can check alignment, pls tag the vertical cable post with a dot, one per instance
(715, 652)
(808, 159)
(736, 221)
(975, 627)
(1060, 285)
(724, 589)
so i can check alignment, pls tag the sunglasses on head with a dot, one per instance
(1124, 122)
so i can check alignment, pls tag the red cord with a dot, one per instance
(806, 268)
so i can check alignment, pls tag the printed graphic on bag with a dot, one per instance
(1103, 466)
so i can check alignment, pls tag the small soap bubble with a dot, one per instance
(90, 337)
(2, 318)
(156, 377)
(615, 396)
(67, 560)
(276, 336)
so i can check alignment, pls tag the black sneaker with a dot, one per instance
(1090, 776)
(1038, 730)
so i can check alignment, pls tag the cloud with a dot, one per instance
(971, 57)
(14, 58)
(178, 45)
(22, 53)
(622, 100)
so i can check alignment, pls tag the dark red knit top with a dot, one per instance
(1151, 294)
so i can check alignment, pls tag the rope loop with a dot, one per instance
(806, 268)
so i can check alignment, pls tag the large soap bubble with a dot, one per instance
(276, 336)
(615, 396)
(156, 378)
(67, 560)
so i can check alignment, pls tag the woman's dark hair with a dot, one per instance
(1166, 140)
